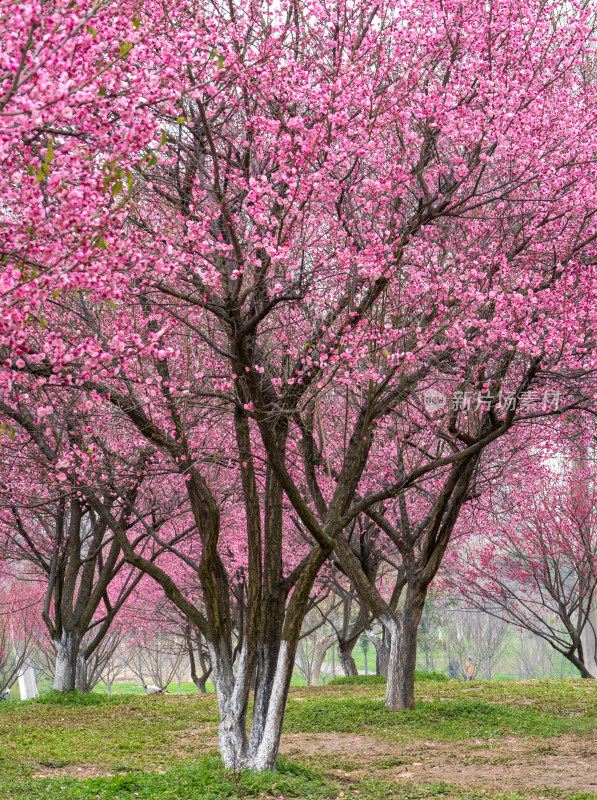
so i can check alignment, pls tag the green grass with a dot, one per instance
(358, 680)
(185, 688)
(207, 780)
(136, 688)
(380, 680)
(448, 721)
(124, 732)
(164, 747)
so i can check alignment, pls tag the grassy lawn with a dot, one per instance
(185, 688)
(136, 688)
(463, 741)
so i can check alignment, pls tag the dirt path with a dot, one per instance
(565, 764)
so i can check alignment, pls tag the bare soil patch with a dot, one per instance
(77, 771)
(73, 771)
(567, 764)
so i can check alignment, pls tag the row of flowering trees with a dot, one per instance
(276, 281)
(527, 554)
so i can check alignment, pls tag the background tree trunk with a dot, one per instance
(347, 662)
(67, 657)
(589, 640)
(400, 690)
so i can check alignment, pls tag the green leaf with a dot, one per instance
(11, 434)
(181, 120)
(49, 153)
(102, 91)
(31, 170)
(124, 48)
(40, 175)
(116, 188)
(136, 23)
(153, 161)
(92, 31)
(101, 243)
(129, 180)
(55, 294)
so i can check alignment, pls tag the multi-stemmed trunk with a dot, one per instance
(266, 730)
(258, 750)
(320, 654)
(83, 564)
(421, 553)
(271, 673)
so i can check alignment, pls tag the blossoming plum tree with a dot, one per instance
(528, 554)
(263, 237)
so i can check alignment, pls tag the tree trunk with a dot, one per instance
(198, 680)
(231, 733)
(67, 658)
(381, 651)
(268, 665)
(81, 684)
(27, 683)
(333, 661)
(319, 659)
(260, 751)
(347, 662)
(589, 642)
(265, 741)
(402, 661)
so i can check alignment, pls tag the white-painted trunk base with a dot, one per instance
(589, 642)
(28, 683)
(266, 753)
(65, 670)
(235, 750)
